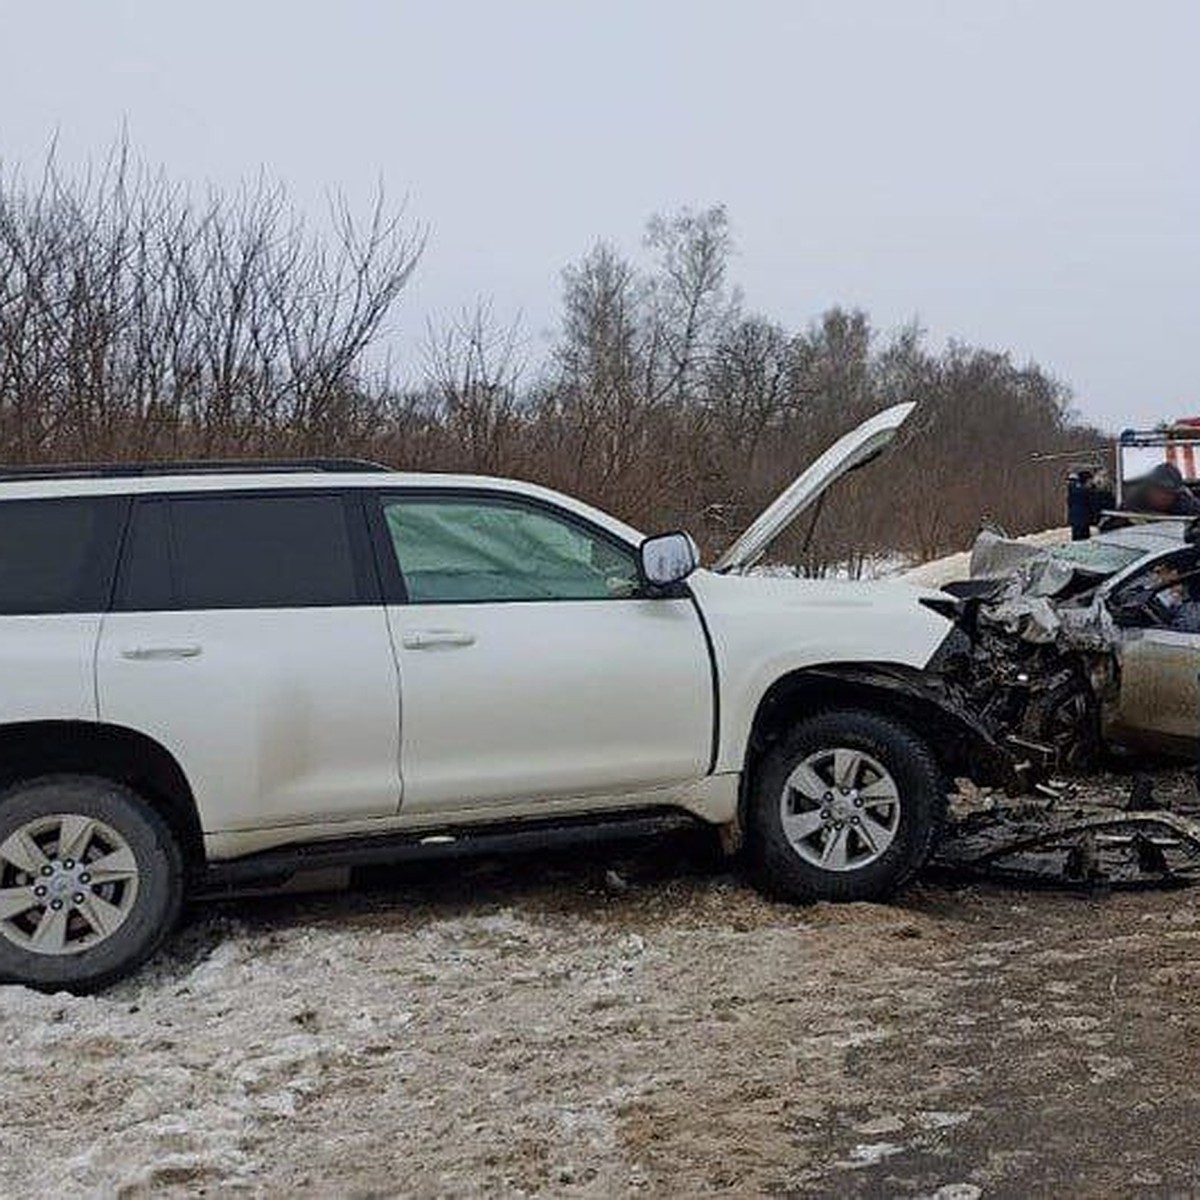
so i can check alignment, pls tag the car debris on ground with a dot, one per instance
(1059, 835)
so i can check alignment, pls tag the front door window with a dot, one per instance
(471, 551)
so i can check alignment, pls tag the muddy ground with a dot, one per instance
(624, 1021)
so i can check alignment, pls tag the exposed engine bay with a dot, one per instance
(1067, 665)
(1041, 699)
(1066, 662)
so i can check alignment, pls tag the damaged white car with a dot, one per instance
(225, 673)
(1092, 646)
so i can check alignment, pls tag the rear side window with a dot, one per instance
(261, 551)
(59, 556)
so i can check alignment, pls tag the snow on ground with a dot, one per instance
(621, 1022)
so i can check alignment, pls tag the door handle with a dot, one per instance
(160, 653)
(428, 639)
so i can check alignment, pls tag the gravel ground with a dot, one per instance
(621, 1021)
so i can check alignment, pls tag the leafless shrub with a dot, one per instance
(136, 320)
(139, 321)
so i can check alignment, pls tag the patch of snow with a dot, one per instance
(869, 1154)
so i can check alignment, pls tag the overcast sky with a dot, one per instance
(1021, 174)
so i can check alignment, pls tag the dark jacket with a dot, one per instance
(1085, 504)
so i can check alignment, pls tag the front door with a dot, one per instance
(1158, 705)
(532, 667)
(1157, 646)
(249, 639)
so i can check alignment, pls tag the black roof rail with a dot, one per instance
(229, 466)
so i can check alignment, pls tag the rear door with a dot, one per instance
(57, 562)
(533, 667)
(248, 637)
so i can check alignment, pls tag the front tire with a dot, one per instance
(91, 882)
(847, 806)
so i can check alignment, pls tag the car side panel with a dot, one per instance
(765, 628)
(551, 699)
(1158, 705)
(48, 667)
(275, 715)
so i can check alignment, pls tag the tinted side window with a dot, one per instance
(458, 551)
(145, 583)
(259, 551)
(59, 556)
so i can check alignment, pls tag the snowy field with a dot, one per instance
(622, 1022)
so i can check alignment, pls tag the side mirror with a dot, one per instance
(668, 558)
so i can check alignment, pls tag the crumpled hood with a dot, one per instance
(1025, 610)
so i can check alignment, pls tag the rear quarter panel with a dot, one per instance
(48, 667)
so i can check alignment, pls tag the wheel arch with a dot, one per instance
(959, 742)
(29, 749)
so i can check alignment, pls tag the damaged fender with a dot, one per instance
(965, 744)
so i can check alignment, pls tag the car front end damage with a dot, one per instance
(1070, 650)
(1035, 678)
(1042, 675)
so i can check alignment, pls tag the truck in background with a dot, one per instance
(1138, 451)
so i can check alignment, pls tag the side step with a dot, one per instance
(276, 867)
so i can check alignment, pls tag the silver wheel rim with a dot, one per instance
(840, 809)
(67, 883)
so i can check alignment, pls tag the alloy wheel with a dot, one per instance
(67, 883)
(840, 809)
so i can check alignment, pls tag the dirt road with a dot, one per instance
(540, 1028)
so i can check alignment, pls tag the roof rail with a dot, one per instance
(232, 466)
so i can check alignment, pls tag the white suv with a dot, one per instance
(217, 673)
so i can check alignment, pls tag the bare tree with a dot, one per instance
(135, 320)
(475, 367)
(140, 320)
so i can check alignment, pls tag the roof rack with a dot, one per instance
(232, 466)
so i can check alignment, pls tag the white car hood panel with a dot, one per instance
(849, 451)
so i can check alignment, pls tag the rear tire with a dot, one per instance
(847, 806)
(91, 882)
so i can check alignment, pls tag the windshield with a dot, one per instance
(1102, 558)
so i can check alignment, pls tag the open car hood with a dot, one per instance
(852, 450)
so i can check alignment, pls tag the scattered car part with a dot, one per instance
(1058, 838)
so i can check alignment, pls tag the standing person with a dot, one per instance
(1079, 504)
(1088, 498)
